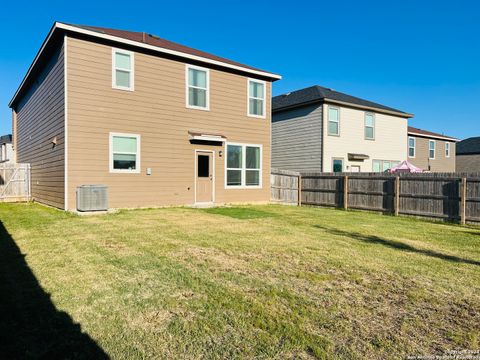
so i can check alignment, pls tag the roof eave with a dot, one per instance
(32, 65)
(364, 107)
(323, 100)
(433, 136)
(75, 29)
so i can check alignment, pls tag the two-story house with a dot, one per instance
(431, 151)
(322, 130)
(156, 122)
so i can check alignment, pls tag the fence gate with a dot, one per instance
(14, 182)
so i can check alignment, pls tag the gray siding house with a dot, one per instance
(318, 129)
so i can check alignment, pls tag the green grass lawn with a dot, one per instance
(247, 282)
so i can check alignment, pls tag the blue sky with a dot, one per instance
(422, 57)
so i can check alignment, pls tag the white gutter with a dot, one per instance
(96, 34)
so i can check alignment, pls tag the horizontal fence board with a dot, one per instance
(284, 186)
(430, 195)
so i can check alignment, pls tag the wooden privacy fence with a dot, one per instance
(284, 186)
(447, 196)
(14, 182)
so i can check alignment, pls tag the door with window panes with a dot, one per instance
(204, 177)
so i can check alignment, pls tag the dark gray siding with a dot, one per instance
(297, 139)
(41, 119)
(468, 163)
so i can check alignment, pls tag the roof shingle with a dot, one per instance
(469, 146)
(416, 131)
(320, 93)
(154, 40)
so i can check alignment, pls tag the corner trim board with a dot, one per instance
(65, 106)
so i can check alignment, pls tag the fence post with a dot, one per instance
(463, 201)
(299, 189)
(345, 192)
(396, 201)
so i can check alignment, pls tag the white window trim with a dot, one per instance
(447, 153)
(414, 147)
(392, 164)
(132, 70)
(187, 86)
(365, 127)
(249, 80)
(337, 121)
(243, 168)
(124, 171)
(434, 149)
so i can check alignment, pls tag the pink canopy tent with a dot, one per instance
(405, 167)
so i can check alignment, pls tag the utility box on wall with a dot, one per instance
(92, 198)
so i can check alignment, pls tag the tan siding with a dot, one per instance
(441, 163)
(40, 118)
(156, 111)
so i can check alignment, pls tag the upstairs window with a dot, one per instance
(431, 149)
(124, 153)
(198, 88)
(243, 165)
(333, 121)
(411, 147)
(256, 98)
(122, 69)
(447, 149)
(369, 126)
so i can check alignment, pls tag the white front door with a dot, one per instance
(204, 176)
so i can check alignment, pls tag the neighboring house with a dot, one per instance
(158, 123)
(319, 129)
(6, 150)
(468, 155)
(431, 151)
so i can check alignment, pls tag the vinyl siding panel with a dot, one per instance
(40, 117)
(468, 163)
(390, 141)
(156, 111)
(441, 163)
(297, 139)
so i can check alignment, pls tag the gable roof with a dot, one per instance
(156, 41)
(469, 146)
(429, 134)
(318, 93)
(144, 41)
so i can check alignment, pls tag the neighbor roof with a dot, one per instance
(319, 93)
(469, 146)
(144, 41)
(429, 134)
(6, 139)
